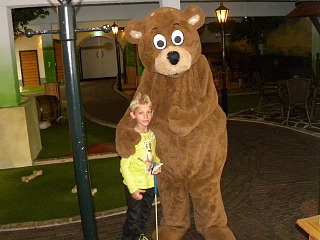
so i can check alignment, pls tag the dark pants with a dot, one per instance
(137, 214)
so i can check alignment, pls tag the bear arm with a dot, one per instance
(126, 137)
(183, 121)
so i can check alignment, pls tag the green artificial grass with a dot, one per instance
(56, 139)
(238, 103)
(33, 89)
(49, 195)
(36, 89)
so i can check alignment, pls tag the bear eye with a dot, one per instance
(159, 41)
(177, 37)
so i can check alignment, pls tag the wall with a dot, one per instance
(20, 135)
(294, 38)
(23, 43)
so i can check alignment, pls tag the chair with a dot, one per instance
(270, 92)
(298, 90)
(315, 103)
(302, 73)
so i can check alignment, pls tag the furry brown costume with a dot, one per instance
(188, 122)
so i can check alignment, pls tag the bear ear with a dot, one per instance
(194, 15)
(134, 31)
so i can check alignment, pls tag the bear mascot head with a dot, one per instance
(188, 122)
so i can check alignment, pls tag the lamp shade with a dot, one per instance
(222, 13)
(114, 28)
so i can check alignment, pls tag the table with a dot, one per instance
(311, 226)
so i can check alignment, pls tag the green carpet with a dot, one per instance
(49, 196)
(56, 139)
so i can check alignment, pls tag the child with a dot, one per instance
(137, 171)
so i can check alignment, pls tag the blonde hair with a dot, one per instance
(140, 99)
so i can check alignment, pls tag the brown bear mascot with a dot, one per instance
(188, 122)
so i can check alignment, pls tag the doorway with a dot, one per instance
(59, 61)
(98, 58)
(29, 68)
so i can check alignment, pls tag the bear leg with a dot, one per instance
(168, 233)
(175, 221)
(209, 214)
(218, 233)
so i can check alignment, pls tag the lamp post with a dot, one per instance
(222, 15)
(68, 37)
(115, 30)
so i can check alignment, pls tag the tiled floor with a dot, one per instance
(270, 114)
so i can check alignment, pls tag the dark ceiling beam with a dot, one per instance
(308, 9)
(315, 21)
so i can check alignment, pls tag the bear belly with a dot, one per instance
(197, 155)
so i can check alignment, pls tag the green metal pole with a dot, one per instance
(224, 90)
(71, 70)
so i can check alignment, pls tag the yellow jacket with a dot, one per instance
(136, 169)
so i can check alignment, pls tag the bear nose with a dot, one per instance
(173, 57)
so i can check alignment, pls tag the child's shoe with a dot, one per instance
(143, 237)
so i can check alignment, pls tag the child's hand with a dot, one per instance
(156, 168)
(155, 172)
(137, 195)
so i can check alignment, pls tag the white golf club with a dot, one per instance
(155, 167)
